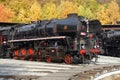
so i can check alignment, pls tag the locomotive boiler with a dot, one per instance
(73, 40)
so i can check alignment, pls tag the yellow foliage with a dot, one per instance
(22, 16)
(49, 11)
(31, 10)
(113, 12)
(102, 15)
(35, 11)
(65, 8)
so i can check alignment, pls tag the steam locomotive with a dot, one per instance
(73, 40)
(111, 40)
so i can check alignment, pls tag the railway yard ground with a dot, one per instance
(11, 69)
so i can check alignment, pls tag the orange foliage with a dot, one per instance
(6, 15)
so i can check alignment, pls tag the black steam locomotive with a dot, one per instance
(111, 40)
(73, 40)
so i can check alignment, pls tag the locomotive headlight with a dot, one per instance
(98, 46)
(95, 46)
(53, 50)
(4, 42)
(83, 46)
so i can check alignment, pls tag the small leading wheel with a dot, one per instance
(23, 54)
(68, 59)
(49, 59)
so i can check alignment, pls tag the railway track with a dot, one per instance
(30, 70)
(94, 73)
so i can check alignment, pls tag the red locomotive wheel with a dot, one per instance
(68, 59)
(31, 51)
(23, 54)
(15, 54)
(49, 59)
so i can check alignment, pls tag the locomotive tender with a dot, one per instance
(73, 40)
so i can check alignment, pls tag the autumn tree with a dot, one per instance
(17, 6)
(85, 11)
(6, 14)
(93, 5)
(49, 10)
(27, 10)
(102, 15)
(65, 8)
(22, 16)
(78, 2)
(113, 12)
(35, 12)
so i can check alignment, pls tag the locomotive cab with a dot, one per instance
(75, 27)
